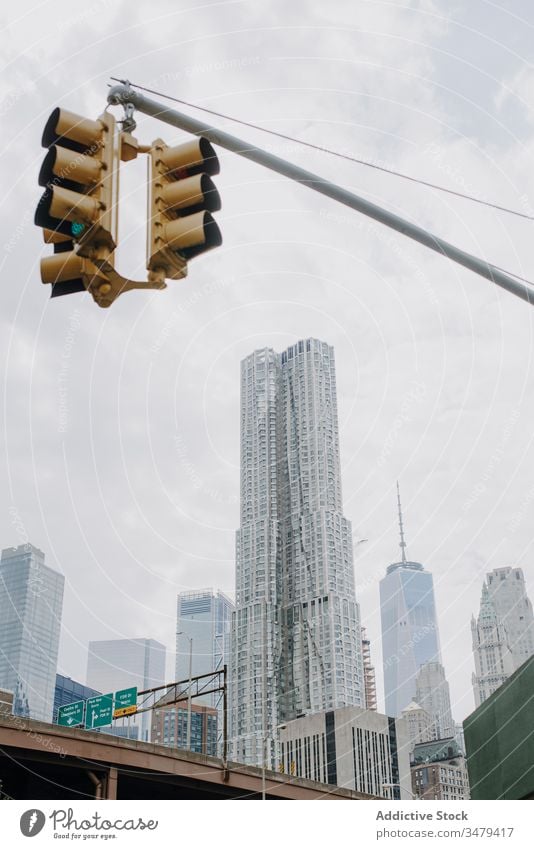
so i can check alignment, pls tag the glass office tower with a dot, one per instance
(115, 664)
(31, 602)
(409, 627)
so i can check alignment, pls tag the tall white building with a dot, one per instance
(297, 640)
(116, 664)
(410, 635)
(432, 693)
(31, 602)
(507, 591)
(494, 660)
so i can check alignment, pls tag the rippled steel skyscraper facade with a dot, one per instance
(297, 637)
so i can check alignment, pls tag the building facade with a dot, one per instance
(31, 603)
(369, 676)
(439, 771)
(116, 664)
(432, 693)
(421, 728)
(296, 644)
(409, 626)
(205, 617)
(203, 624)
(169, 727)
(351, 747)
(7, 698)
(508, 592)
(494, 661)
(68, 691)
(500, 742)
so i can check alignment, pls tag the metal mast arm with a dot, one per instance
(123, 94)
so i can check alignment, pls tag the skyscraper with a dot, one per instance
(507, 590)
(205, 617)
(494, 661)
(432, 693)
(203, 622)
(409, 626)
(297, 640)
(115, 664)
(31, 601)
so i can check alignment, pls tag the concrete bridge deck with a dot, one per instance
(43, 761)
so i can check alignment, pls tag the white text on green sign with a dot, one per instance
(99, 711)
(70, 715)
(125, 702)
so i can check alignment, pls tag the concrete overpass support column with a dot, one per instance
(111, 783)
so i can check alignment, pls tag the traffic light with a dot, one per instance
(78, 209)
(182, 197)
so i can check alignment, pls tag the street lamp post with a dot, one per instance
(188, 737)
(396, 784)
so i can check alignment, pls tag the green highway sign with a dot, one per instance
(71, 715)
(99, 711)
(125, 702)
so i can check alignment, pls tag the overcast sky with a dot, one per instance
(122, 425)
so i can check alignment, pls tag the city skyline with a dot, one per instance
(122, 426)
(509, 603)
(523, 640)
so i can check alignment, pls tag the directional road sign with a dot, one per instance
(99, 711)
(125, 702)
(71, 715)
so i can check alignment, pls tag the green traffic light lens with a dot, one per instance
(77, 228)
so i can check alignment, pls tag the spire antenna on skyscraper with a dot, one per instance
(402, 543)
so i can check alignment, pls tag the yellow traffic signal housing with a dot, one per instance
(182, 197)
(68, 272)
(78, 209)
(80, 176)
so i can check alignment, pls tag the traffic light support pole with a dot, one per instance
(123, 94)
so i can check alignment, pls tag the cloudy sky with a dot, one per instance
(122, 425)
